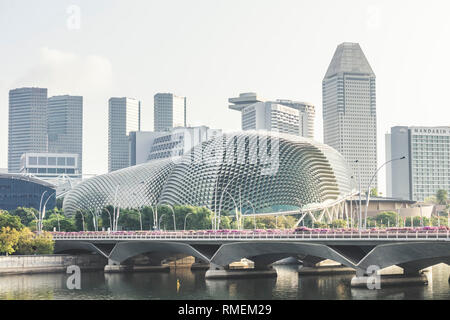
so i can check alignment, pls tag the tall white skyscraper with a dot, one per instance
(124, 117)
(169, 111)
(65, 126)
(349, 110)
(283, 116)
(426, 168)
(27, 130)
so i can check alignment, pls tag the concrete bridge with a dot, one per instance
(412, 251)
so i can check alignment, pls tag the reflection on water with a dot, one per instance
(186, 284)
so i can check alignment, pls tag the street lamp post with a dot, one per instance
(235, 208)
(173, 213)
(254, 212)
(140, 218)
(40, 211)
(82, 218)
(42, 215)
(370, 184)
(185, 220)
(110, 219)
(159, 222)
(360, 211)
(220, 202)
(116, 215)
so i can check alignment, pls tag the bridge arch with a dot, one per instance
(125, 250)
(267, 252)
(425, 254)
(68, 246)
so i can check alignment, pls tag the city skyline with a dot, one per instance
(407, 73)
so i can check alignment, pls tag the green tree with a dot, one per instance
(8, 220)
(442, 196)
(8, 240)
(129, 219)
(25, 244)
(44, 243)
(79, 221)
(321, 225)
(374, 192)
(59, 222)
(339, 223)
(26, 215)
(387, 218)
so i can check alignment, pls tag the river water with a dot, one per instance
(185, 284)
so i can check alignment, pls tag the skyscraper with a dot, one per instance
(426, 168)
(282, 115)
(27, 130)
(349, 110)
(65, 125)
(169, 111)
(124, 117)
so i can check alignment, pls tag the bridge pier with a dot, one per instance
(324, 267)
(391, 280)
(116, 267)
(221, 272)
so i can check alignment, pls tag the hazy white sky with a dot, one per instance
(210, 50)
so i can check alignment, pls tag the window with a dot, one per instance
(42, 161)
(52, 161)
(32, 160)
(70, 161)
(61, 161)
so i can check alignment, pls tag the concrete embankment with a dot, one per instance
(49, 263)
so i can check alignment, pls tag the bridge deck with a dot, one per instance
(174, 236)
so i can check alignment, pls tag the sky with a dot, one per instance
(211, 50)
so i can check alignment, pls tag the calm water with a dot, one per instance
(192, 285)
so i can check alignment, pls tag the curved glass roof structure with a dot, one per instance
(260, 171)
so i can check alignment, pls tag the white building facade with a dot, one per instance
(169, 111)
(50, 166)
(349, 111)
(427, 166)
(284, 116)
(145, 146)
(124, 117)
(27, 125)
(65, 126)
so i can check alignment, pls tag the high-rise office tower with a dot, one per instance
(169, 111)
(65, 126)
(349, 111)
(426, 168)
(283, 116)
(27, 131)
(124, 117)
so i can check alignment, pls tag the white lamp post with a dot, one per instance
(370, 184)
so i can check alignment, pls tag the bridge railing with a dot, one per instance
(288, 236)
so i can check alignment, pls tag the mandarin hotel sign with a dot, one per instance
(432, 131)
